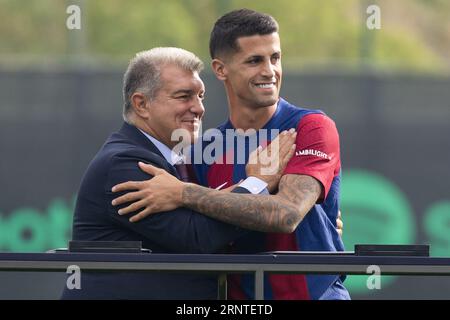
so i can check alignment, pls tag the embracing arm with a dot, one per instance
(180, 229)
(298, 191)
(281, 212)
(268, 213)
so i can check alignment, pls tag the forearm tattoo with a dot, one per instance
(267, 213)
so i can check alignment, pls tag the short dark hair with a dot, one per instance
(236, 24)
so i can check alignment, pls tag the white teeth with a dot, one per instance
(265, 85)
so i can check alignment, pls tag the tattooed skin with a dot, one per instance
(267, 213)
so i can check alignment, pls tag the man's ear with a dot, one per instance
(219, 69)
(139, 102)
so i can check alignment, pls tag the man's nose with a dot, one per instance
(197, 107)
(268, 69)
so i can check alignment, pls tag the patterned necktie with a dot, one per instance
(182, 172)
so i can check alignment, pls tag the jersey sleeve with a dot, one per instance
(317, 152)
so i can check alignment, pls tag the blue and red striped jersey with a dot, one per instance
(317, 155)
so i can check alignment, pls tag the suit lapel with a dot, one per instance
(134, 134)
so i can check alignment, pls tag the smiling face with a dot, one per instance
(177, 105)
(252, 75)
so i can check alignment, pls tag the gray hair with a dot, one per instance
(144, 72)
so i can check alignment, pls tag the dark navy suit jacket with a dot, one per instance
(179, 231)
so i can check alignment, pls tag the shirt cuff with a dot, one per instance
(254, 185)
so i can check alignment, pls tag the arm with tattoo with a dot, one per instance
(281, 212)
(268, 213)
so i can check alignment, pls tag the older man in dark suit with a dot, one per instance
(163, 93)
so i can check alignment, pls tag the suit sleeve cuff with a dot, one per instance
(254, 185)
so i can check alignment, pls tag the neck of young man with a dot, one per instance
(246, 117)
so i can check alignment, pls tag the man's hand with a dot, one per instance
(268, 163)
(161, 193)
(339, 224)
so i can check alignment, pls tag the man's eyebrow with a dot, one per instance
(254, 56)
(183, 91)
(258, 56)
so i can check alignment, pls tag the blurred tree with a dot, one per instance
(415, 34)
(32, 27)
(123, 28)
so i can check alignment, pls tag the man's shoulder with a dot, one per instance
(317, 121)
(117, 149)
(289, 115)
(303, 115)
(122, 150)
(290, 108)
